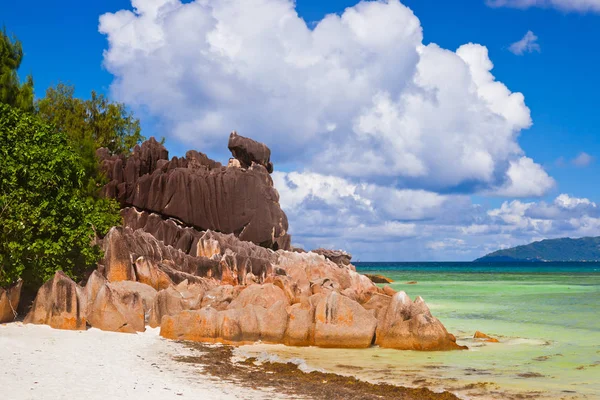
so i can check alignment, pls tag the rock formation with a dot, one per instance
(200, 192)
(204, 254)
(9, 302)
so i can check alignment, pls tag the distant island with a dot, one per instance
(564, 249)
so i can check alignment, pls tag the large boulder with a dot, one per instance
(59, 303)
(174, 299)
(342, 322)
(117, 257)
(339, 257)
(9, 302)
(149, 273)
(408, 325)
(248, 151)
(121, 307)
(235, 325)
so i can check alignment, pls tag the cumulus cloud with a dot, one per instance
(528, 44)
(564, 5)
(380, 222)
(525, 179)
(583, 160)
(393, 136)
(356, 96)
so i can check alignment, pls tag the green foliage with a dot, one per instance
(48, 220)
(11, 91)
(90, 124)
(565, 249)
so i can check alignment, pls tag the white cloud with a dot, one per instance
(525, 179)
(357, 96)
(583, 160)
(392, 135)
(528, 44)
(564, 5)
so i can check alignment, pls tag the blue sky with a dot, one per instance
(559, 82)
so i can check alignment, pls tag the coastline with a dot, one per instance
(40, 362)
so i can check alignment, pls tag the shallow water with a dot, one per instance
(546, 316)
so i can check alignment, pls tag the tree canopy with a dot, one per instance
(90, 124)
(48, 220)
(11, 91)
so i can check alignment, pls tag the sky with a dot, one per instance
(414, 130)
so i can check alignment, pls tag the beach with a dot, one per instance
(544, 316)
(38, 362)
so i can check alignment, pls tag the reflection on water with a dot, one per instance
(545, 316)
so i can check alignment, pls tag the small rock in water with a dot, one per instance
(489, 339)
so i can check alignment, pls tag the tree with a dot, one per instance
(90, 124)
(11, 91)
(48, 220)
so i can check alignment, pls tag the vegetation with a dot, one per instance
(566, 249)
(89, 125)
(51, 211)
(11, 91)
(47, 220)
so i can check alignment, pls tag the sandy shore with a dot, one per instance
(38, 362)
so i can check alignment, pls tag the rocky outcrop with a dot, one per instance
(118, 306)
(248, 151)
(121, 307)
(339, 257)
(175, 299)
(375, 278)
(9, 302)
(201, 193)
(60, 303)
(408, 325)
(204, 254)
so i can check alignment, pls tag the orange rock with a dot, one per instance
(9, 302)
(117, 259)
(148, 272)
(481, 335)
(60, 304)
(408, 325)
(121, 307)
(388, 290)
(174, 299)
(342, 322)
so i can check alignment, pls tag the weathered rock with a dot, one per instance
(174, 299)
(260, 295)
(121, 307)
(122, 245)
(339, 257)
(59, 304)
(342, 322)
(408, 325)
(237, 325)
(201, 193)
(117, 257)
(481, 335)
(9, 302)
(220, 297)
(248, 151)
(149, 273)
(375, 278)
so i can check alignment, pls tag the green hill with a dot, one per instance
(565, 249)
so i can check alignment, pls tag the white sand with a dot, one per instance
(38, 362)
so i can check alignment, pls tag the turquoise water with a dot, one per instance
(546, 316)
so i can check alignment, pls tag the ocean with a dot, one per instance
(546, 316)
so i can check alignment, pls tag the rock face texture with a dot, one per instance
(204, 254)
(9, 302)
(200, 192)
